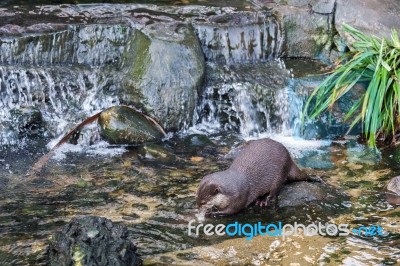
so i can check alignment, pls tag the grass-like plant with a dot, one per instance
(377, 62)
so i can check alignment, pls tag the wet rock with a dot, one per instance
(238, 37)
(123, 125)
(315, 130)
(78, 44)
(307, 34)
(392, 194)
(166, 73)
(92, 240)
(301, 193)
(394, 185)
(27, 121)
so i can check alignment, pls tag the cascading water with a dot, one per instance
(63, 96)
(252, 99)
(247, 87)
(67, 75)
(71, 74)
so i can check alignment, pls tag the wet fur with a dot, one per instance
(260, 169)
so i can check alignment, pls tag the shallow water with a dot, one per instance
(152, 191)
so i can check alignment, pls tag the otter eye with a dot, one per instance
(216, 191)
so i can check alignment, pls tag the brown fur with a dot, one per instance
(260, 169)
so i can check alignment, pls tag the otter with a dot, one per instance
(257, 174)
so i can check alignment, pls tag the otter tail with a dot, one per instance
(295, 174)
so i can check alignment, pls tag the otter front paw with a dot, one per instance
(264, 201)
(315, 178)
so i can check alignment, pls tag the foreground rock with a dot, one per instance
(92, 240)
(123, 125)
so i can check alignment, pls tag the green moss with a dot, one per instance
(83, 183)
(77, 256)
(140, 44)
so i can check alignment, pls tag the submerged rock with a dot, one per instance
(151, 151)
(92, 240)
(123, 125)
(197, 140)
(301, 193)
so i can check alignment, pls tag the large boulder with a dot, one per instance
(165, 72)
(92, 240)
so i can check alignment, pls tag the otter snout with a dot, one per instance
(210, 197)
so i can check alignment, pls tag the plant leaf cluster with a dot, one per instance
(372, 60)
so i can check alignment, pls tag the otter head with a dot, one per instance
(218, 194)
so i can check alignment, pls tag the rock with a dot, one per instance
(314, 130)
(154, 152)
(123, 125)
(92, 240)
(302, 193)
(394, 185)
(375, 17)
(241, 36)
(393, 191)
(166, 72)
(27, 120)
(306, 34)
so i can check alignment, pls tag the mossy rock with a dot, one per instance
(165, 72)
(124, 125)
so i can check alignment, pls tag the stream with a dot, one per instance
(151, 188)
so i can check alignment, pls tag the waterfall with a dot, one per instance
(67, 75)
(70, 74)
(248, 88)
(251, 99)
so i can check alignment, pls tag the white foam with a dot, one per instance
(101, 148)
